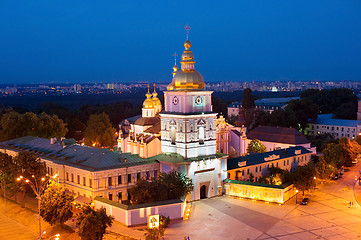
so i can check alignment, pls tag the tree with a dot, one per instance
(304, 110)
(333, 154)
(99, 131)
(154, 233)
(29, 166)
(50, 126)
(56, 205)
(92, 223)
(304, 177)
(330, 101)
(256, 146)
(7, 175)
(16, 125)
(324, 170)
(178, 184)
(350, 150)
(248, 100)
(166, 186)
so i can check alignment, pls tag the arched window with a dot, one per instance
(201, 135)
(172, 135)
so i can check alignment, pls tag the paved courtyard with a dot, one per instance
(327, 216)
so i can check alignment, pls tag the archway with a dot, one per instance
(203, 192)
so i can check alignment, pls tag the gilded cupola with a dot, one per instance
(148, 102)
(156, 101)
(187, 78)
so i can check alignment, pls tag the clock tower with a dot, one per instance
(188, 129)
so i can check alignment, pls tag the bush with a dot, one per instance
(163, 221)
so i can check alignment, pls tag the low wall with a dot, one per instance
(259, 191)
(137, 214)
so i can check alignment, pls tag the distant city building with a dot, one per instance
(338, 128)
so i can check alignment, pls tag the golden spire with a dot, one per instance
(175, 67)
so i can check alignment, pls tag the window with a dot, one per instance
(110, 196)
(256, 169)
(120, 195)
(284, 163)
(129, 178)
(110, 183)
(119, 179)
(242, 172)
(78, 179)
(277, 164)
(201, 135)
(138, 176)
(260, 168)
(288, 161)
(155, 173)
(147, 175)
(84, 181)
(51, 171)
(248, 171)
(72, 177)
(172, 135)
(67, 176)
(90, 182)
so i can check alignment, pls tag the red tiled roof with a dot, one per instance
(278, 134)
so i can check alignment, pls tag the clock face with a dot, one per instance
(198, 100)
(175, 101)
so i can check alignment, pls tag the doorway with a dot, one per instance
(203, 192)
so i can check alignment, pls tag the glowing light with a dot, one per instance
(27, 180)
(18, 179)
(42, 179)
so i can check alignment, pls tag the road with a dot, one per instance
(327, 216)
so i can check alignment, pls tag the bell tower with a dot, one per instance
(188, 124)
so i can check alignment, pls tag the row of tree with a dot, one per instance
(98, 131)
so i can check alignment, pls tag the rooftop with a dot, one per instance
(258, 158)
(326, 119)
(278, 134)
(274, 102)
(83, 157)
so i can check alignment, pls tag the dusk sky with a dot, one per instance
(126, 41)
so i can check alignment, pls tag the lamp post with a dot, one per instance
(296, 195)
(38, 188)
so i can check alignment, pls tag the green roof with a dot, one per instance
(283, 186)
(177, 158)
(130, 207)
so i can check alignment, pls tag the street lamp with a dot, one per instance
(296, 195)
(38, 188)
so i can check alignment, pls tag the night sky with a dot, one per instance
(130, 41)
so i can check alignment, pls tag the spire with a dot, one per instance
(175, 67)
(156, 101)
(187, 62)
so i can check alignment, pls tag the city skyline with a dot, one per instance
(239, 41)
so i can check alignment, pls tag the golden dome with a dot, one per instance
(148, 102)
(188, 78)
(155, 99)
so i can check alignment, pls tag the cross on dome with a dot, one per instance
(187, 27)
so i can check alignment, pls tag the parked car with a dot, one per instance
(305, 201)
